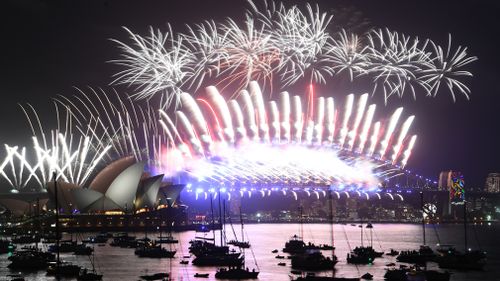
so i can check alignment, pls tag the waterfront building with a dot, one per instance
(492, 183)
(445, 180)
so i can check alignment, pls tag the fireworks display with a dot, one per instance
(71, 150)
(245, 142)
(244, 138)
(291, 44)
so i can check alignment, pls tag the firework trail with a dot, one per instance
(291, 43)
(92, 129)
(130, 128)
(256, 155)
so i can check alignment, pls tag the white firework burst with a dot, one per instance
(292, 44)
(349, 55)
(206, 45)
(250, 53)
(447, 68)
(156, 65)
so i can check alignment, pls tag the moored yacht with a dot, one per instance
(150, 250)
(236, 273)
(30, 259)
(313, 260)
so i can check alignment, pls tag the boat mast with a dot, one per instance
(38, 227)
(330, 200)
(242, 232)
(145, 229)
(301, 224)
(223, 227)
(423, 214)
(213, 219)
(54, 178)
(220, 221)
(370, 226)
(361, 227)
(93, 257)
(161, 221)
(465, 226)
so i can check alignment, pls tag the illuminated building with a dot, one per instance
(492, 183)
(444, 180)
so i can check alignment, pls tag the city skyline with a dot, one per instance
(75, 54)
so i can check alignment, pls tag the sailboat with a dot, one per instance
(237, 272)
(6, 246)
(362, 254)
(60, 268)
(31, 258)
(296, 244)
(415, 273)
(152, 250)
(421, 256)
(424, 253)
(311, 276)
(207, 253)
(468, 260)
(313, 260)
(90, 275)
(149, 249)
(307, 256)
(169, 239)
(240, 244)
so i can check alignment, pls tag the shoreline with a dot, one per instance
(207, 227)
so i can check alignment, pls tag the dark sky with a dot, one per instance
(47, 47)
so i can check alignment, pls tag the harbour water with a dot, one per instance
(121, 263)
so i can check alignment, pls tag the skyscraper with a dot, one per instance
(493, 183)
(444, 180)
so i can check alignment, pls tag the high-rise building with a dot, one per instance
(493, 183)
(445, 180)
(453, 182)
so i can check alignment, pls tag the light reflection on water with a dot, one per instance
(121, 264)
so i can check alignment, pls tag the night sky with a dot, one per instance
(49, 47)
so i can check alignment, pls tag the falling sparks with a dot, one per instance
(259, 155)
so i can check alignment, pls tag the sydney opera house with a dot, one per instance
(120, 195)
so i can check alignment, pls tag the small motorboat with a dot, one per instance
(274, 251)
(280, 257)
(296, 272)
(201, 275)
(184, 262)
(89, 275)
(156, 276)
(326, 247)
(16, 277)
(237, 273)
(393, 253)
(367, 276)
(282, 264)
